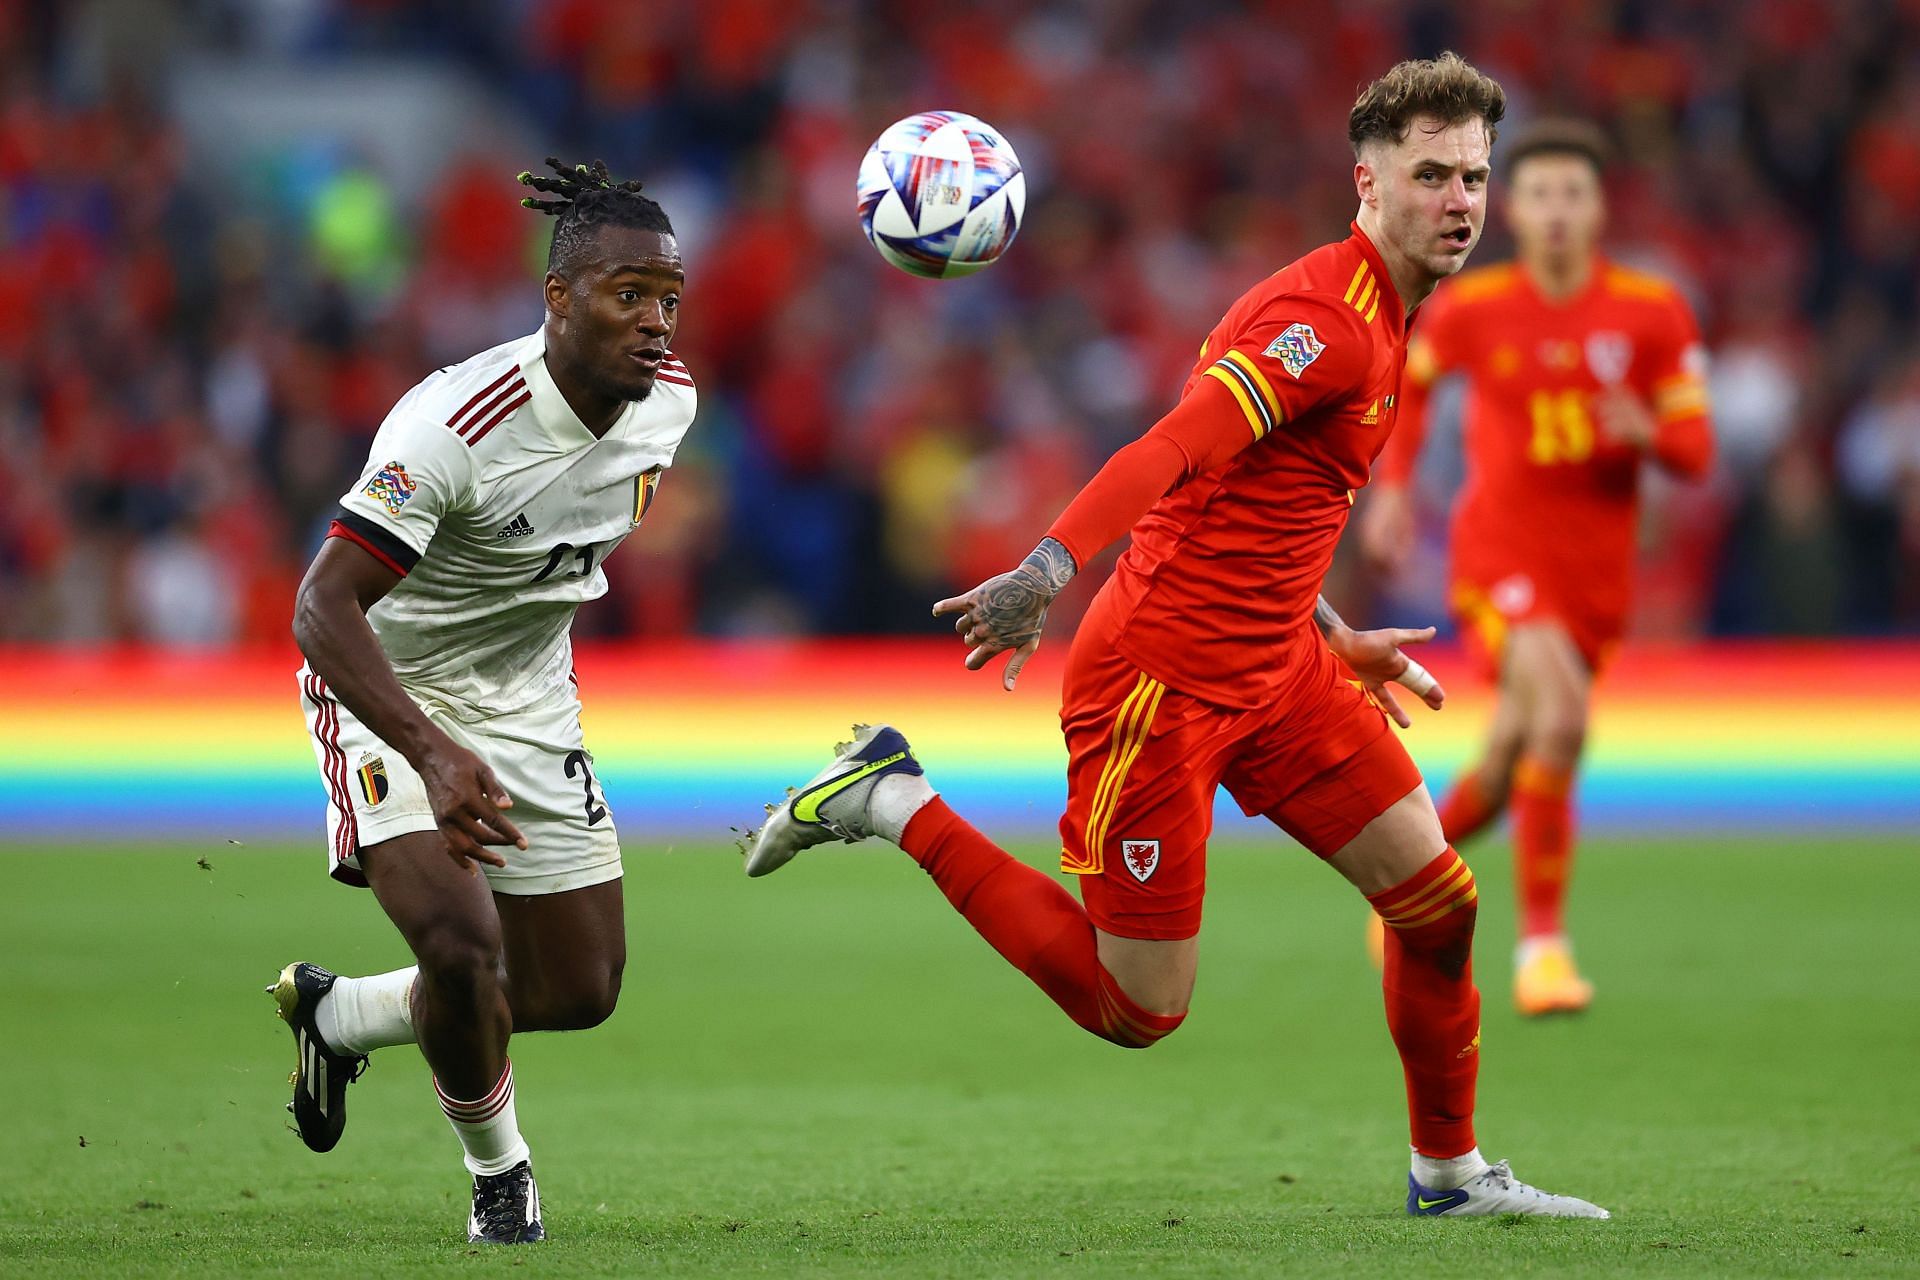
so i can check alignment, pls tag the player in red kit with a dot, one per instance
(1577, 371)
(1200, 664)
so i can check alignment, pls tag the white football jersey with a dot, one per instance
(498, 507)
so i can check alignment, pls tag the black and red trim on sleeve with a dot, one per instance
(376, 541)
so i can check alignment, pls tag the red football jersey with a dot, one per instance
(1549, 502)
(1215, 596)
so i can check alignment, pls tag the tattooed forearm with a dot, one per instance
(1012, 608)
(1053, 563)
(1326, 619)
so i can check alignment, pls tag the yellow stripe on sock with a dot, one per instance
(1452, 904)
(1399, 898)
(1444, 886)
(1141, 1033)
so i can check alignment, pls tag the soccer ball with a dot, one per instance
(941, 194)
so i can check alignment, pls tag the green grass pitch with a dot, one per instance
(826, 1073)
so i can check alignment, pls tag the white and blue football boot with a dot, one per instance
(1494, 1191)
(872, 788)
(506, 1208)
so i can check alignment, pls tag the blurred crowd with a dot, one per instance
(196, 346)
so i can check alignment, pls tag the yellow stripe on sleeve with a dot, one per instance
(1232, 384)
(1245, 361)
(1680, 397)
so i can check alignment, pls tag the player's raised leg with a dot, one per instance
(875, 787)
(1546, 669)
(1481, 792)
(1426, 894)
(462, 1019)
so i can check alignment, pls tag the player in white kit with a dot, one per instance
(439, 690)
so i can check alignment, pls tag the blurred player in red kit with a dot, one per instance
(1578, 370)
(1200, 664)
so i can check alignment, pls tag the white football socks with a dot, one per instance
(896, 798)
(488, 1130)
(1445, 1175)
(363, 1014)
(1526, 949)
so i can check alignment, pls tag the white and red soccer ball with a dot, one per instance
(941, 194)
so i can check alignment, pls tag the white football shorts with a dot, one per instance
(373, 794)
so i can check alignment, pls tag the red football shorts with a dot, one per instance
(1144, 762)
(1496, 588)
(1489, 598)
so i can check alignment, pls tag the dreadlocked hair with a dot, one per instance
(589, 199)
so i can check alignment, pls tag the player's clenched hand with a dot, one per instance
(1624, 417)
(467, 802)
(1375, 657)
(1007, 611)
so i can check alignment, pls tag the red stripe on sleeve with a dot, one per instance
(338, 530)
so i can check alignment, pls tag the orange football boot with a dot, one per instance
(1545, 981)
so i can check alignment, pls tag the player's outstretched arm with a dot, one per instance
(1376, 658)
(330, 626)
(1007, 611)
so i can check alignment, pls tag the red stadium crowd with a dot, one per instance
(194, 353)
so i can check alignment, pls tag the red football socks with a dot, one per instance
(1542, 845)
(1026, 916)
(1467, 809)
(1433, 1008)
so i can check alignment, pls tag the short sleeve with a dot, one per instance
(417, 472)
(1302, 351)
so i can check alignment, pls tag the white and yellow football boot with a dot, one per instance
(872, 788)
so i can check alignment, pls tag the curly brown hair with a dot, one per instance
(1448, 87)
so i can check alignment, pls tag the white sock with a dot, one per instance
(896, 798)
(1445, 1175)
(1527, 948)
(363, 1014)
(488, 1130)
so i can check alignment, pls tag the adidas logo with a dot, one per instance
(518, 527)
